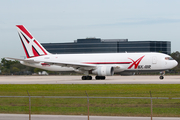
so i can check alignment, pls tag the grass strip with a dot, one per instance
(118, 107)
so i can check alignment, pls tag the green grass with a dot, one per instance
(119, 107)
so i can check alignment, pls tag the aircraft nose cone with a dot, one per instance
(175, 63)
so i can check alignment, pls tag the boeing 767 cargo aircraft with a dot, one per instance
(101, 65)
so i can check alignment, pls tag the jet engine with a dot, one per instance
(104, 71)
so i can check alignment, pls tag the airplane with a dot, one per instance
(99, 64)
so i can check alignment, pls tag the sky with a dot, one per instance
(59, 21)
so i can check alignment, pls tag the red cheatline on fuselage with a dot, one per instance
(108, 62)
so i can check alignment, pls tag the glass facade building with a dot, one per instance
(96, 45)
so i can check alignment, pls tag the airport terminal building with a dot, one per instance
(97, 45)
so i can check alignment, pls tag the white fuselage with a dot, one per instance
(120, 61)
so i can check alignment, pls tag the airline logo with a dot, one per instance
(135, 63)
(31, 46)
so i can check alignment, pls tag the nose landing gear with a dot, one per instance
(162, 75)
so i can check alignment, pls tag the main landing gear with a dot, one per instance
(86, 77)
(90, 77)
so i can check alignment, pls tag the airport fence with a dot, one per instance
(88, 105)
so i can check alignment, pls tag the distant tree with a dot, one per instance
(5, 66)
(5, 71)
(7, 63)
(15, 70)
(14, 67)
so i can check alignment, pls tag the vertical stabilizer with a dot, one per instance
(31, 46)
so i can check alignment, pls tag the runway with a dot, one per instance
(76, 117)
(77, 80)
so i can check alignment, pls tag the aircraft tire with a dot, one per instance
(86, 78)
(161, 77)
(89, 77)
(100, 77)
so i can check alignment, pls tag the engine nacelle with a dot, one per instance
(104, 71)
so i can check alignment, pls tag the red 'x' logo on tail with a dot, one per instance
(135, 63)
(31, 46)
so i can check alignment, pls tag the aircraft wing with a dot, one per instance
(24, 60)
(76, 66)
(79, 66)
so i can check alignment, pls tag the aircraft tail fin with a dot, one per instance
(31, 46)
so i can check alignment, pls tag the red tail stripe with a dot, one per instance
(21, 27)
(25, 50)
(35, 52)
(27, 55)
(40, 47)
(25, 38)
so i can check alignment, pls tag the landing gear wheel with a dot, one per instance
(89, 77)
(86, 78)
(83, 78)
(100, 77)
(161, 77)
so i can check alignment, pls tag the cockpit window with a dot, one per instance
(169, 58)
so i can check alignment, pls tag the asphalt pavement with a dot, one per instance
(77, 80)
